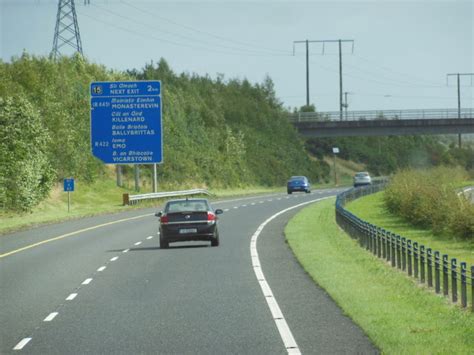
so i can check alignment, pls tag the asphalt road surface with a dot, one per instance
(102, 285)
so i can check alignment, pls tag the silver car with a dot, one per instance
(362, 178)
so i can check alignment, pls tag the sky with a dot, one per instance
(403, 50)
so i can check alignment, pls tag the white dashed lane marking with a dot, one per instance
(71, 296)
(51, 317)
(150, 237)
(102, 268)
(126, 251)
(114, 258)
(87, 281)
(22, 344)
(137, 243)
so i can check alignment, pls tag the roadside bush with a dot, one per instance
(428, 198)
(26, 175)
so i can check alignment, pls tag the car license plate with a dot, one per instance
(187, 230)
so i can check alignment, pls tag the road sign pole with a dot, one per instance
(68, 201)
(155, 179)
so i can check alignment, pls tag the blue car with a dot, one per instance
(298, 183)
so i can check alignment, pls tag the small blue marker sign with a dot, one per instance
(68, 185)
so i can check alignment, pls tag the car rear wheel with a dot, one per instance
(215, 241)
(164, 244)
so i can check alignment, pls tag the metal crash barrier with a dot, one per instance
(134, 199)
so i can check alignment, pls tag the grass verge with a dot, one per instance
(371, 208)
(397, 315)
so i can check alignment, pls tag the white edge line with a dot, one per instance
(465, 190)
(280, 321)
(22, 344)
(51, 316)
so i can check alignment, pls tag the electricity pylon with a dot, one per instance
(66, 32)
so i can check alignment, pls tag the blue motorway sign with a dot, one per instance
(68, 185)
(126, 123)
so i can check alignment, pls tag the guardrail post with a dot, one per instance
(393, 242)
(399, 251)
(126, 199)
(367, 236)
(472, 288)
(409, 257)
(437, 281)
(422, 263)
(454, 280)
(445, 274)
(404, 254)
(379, 243)
(374, 239)
(415, 258)
(463, 285)
(429, 257)
(359, 234)
(384, 243)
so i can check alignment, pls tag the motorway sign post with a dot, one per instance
(126, 125)
(335, 150)
(68, 187)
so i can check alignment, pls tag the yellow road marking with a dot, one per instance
(72, 233)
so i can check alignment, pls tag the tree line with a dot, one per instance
(217, 132)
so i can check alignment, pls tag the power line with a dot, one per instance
(193, 39)
(163, 40)
(339, 41)
(387, 69)
(196, 30)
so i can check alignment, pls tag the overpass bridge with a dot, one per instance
(384, 123)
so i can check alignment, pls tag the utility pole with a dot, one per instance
(346, 105)
(307, 66)
(458, 75)
(340, 81)
(67, 29)
(340, 42)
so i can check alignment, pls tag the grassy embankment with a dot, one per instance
(372, 209)
(345, 170)
(397, 315)
(104, 196)
(93, 199)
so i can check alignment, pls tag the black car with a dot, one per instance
(298, 183)
(188, 220)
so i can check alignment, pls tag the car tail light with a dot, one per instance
(164, 219)
(211, 218)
